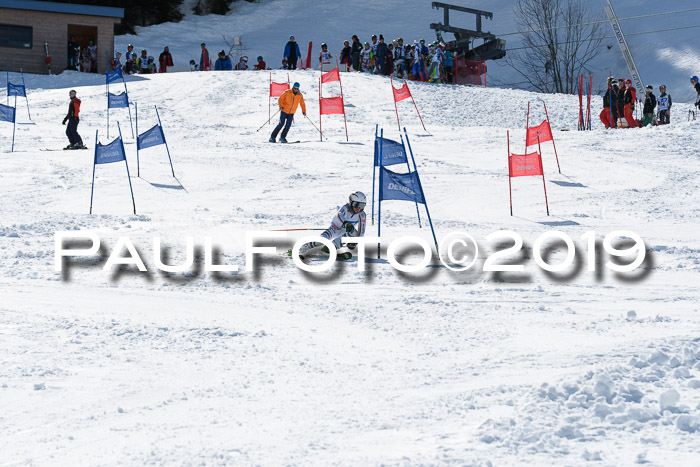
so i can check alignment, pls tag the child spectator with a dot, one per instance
(261, 65)
(664, 107)
(649, 106)
(242, 64)
(366, 55)
(345, 55)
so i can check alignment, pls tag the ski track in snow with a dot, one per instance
(355, 368)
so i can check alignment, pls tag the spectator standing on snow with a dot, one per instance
(204, 60)
(76, 142)
(621, 99)
(116, 62)
(449, 59)
(284, 66)
(324, 57)
(165, 60)
(630, 99)
(223, 63)
(288, 103)
(389, 60)
(373, 46)
(130, 60)
(292, 53)
(649, 106)
(381, 50)
(242, 64)
(345, 55)
(356, 51)
(92, 57)
(609, 106)
(366, 55)
(696, 84)
(664, 107)
(261, 65)
(142, 63)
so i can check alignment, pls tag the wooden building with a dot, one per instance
(27, 27)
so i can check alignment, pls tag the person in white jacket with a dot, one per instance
(349, 221)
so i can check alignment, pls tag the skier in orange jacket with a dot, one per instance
(288, 102)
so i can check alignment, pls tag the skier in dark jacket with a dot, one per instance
(696, 84)
(382, 51)
(664, 107)
(649, 106)
(345, 55)
(609, 113)
(292, 53)
(356, 50)
(76, 142)
(223, 63)
(621, 99)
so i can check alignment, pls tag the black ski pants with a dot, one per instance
(72, 130)
(286, 122)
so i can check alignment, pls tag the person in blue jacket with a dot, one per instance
(292, 53)
(223, 63)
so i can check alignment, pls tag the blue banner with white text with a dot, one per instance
(108, 153)
(401, 187)
(117, 101)
(7, 114)
(392, 152)
(114, 75)
(16, 90)
(150, 138)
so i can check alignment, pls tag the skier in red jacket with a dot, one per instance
(630, 99)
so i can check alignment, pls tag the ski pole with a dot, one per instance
(293, 230)
(312, 123)
(268, 120)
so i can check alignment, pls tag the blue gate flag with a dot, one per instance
(7, 113)
(150, 138)
(108, 153)
(393, 152)
(117, 101)
(401, 187)
(16, 90)
(114, 75)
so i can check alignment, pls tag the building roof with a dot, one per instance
(72, 8)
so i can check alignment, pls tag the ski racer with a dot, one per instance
(664, 108)
(649, 106)
(288, 102)
(366, 55)
(324, 57)
(348, 222)
(76, 142)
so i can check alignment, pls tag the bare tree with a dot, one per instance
(559, 42)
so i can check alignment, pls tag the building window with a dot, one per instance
(15, 36)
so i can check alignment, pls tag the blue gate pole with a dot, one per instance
(128, 176)
(164, 140)
(92, 190)
(420, 226)
(138, 165)
(25, 94)
(374, 169)
(437, 249)
(379, 205)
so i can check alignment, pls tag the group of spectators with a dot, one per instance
(82, 58)
(619, 104)
(143, 64)
(223, 62)
(433, 62)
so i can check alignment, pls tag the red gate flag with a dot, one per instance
(331, 76)
(522, 166)
(276, 89)
(332, 105)
(401, 93)
(544, 131)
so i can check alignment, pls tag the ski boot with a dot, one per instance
(273, 140)
(283, 140)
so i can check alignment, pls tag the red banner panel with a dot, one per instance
(522, 166)
(543, 130)
(332, 105)
(276, 89)
(331, 76)
(401, 93)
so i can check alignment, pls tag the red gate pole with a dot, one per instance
(391, 80)
(320, 128)
(414, 105)
(542, 170)
(342, 99)
(510, 190)
(550, 131)
(269, 106)
(527, 125)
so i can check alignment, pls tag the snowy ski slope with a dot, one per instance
(354, 368)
